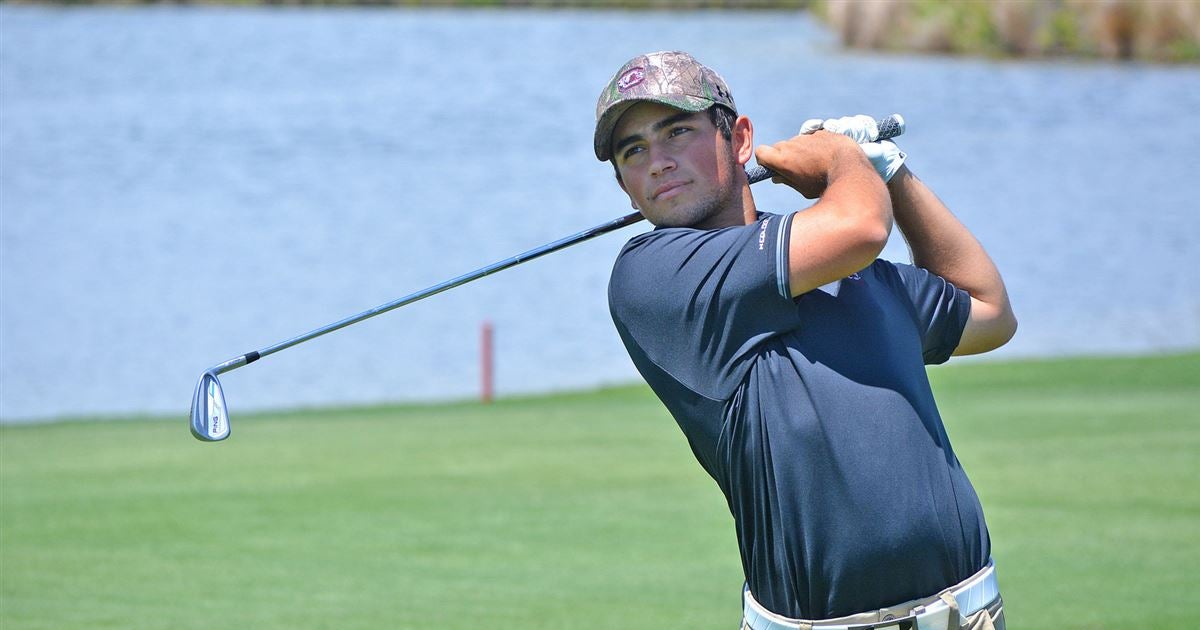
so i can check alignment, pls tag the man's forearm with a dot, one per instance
(942, 244)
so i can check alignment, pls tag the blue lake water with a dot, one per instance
(180, 185)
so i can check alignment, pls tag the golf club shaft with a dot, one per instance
(537, 252)
(888, 127)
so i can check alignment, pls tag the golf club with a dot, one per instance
(209, 414)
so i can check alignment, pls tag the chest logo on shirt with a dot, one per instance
(762, 234)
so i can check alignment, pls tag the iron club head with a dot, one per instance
(210, 421)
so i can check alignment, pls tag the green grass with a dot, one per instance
(571, 511)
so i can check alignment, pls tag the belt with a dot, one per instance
(972, 596)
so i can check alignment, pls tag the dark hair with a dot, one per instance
(721, 117)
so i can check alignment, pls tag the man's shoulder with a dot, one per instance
(885, 270)
(662, 235)
(681, 239)
(651, 249)
(904, 276)
(685, 257)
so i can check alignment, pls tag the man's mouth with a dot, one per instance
(667, 189)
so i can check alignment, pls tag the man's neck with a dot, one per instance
(741, 212)
(749, 210)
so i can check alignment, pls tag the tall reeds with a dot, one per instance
(1157, 30)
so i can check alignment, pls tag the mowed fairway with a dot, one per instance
(572, 511)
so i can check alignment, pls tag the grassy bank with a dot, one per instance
(572, 511)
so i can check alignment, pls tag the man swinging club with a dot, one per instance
(794, 360)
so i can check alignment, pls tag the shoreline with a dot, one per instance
(1189, 358)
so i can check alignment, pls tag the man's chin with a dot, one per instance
(695, 214)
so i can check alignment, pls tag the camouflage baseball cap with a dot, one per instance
(672, 78)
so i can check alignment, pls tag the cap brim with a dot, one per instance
(602, 140)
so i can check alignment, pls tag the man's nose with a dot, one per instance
(660, 161)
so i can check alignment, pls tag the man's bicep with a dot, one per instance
(826, 246)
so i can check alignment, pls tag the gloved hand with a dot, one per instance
(885, 156)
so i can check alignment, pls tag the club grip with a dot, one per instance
(889, 127)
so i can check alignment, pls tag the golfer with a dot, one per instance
(794, 360)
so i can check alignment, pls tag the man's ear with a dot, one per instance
(743, 140)
(621, 183)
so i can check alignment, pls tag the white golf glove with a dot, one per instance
(885, 156)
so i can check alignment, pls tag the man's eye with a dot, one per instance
(631, 151)
(680, 130)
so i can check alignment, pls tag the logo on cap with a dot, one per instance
(632, 77)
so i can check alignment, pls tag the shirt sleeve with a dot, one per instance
(940, 310)
(697, 303)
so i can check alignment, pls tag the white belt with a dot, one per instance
(972, 596)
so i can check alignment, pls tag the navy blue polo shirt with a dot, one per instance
(813, 414)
